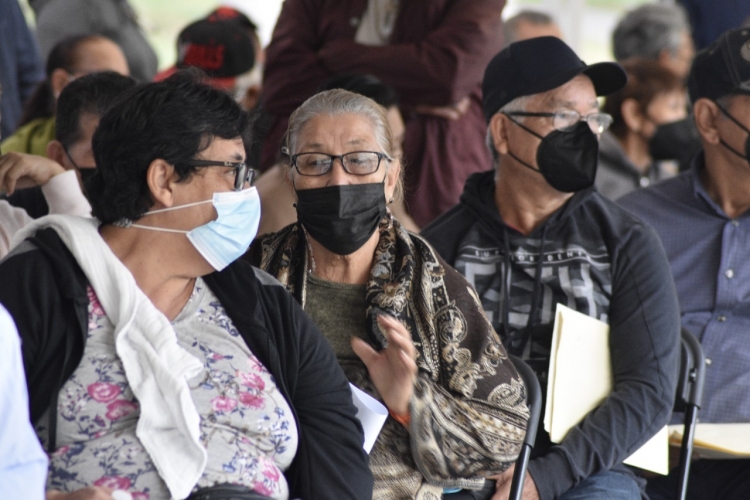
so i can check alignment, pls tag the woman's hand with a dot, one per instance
(23, 170)
(90, 493)
(393, 369)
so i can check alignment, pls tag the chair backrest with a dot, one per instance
(534, 403)
(688, 400)
(692, 372)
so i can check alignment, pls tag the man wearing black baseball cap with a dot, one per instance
(703, 219)
(533, 233)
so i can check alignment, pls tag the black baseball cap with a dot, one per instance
(722, 68)
(540, 64)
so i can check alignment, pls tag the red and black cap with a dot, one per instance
(222, 49)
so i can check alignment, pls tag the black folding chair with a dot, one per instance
(534, 402)
(688, 400)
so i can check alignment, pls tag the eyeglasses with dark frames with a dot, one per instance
(566, 120)
(242, 172)
(315, 164)
(73, 162)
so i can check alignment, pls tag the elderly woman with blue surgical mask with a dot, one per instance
(405, 327)
(156, 364)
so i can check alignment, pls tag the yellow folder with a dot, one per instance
(716, 440)
(580, 378)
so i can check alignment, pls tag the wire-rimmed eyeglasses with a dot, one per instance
(566, 120)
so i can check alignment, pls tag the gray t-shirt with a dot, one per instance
(338, 309)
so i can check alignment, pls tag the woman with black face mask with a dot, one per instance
(651, 133)
(406, 327)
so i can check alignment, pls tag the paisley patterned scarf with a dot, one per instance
(468, 413)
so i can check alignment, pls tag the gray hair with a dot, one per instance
(510, 26)
(649, 29)
(338, 102)
(517, 104)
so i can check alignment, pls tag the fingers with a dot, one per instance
(7, 163)
(397, 334)
(364, 351)
(400, 350)
(24, 170)
(462, 106)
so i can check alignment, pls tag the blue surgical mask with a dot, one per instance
(224, 240)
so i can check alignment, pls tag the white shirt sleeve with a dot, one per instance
(11, 220)
(64, 196)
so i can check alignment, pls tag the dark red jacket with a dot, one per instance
(437, 56)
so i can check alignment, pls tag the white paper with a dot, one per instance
(580, 378)
(371, 414)
(654, 454)
(716, 441)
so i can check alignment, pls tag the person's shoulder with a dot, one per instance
(618, 226)
(31, 138)
(664, 196)
(444, 232)
(667, 203)
(450, 220)
(265, 279)
(40, 246)
(243, 271)
(242, 278)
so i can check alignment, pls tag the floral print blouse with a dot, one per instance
(246, 424)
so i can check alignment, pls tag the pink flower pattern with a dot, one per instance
(252, 380)
(94, 305)
(116, 483)
(271, 472)
(120, 408)
(252, 400)
(222, 404)
(104, 392)
(262, 489)
(98, 413)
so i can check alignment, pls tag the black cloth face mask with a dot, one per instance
(746, 157)
(342, 218)
(674, 140)
(566, 160)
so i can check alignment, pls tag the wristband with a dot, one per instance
(404, 420)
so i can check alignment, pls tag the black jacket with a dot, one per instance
(592, 256)
(44, 289)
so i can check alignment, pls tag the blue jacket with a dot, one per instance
(20, 65)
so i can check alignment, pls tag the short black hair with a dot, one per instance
(363, 84)
(89, 94)
(172, 120)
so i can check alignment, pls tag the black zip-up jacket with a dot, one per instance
(44, 289)
(592, 256)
